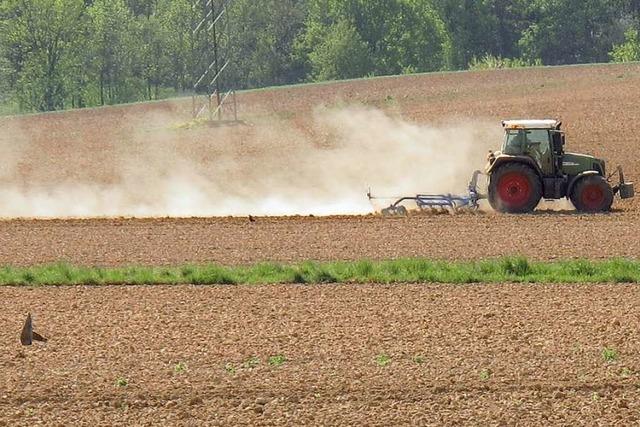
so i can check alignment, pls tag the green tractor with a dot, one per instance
(533, 165)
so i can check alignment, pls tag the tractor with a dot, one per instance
(533, 164)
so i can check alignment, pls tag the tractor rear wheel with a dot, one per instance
(592, 194)
(514, 188)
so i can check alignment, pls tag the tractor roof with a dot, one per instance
(531, 124)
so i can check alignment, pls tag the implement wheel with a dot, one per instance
(514, 188)
(395, 211)
(592, 194)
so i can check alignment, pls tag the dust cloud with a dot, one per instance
(148, 167)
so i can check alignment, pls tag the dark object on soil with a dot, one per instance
(28, 335)
(251, 219)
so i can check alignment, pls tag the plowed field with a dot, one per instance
(86, 148)
(239, 241)
(323, 355)
(311, 355)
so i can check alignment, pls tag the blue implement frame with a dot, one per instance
(435, 201)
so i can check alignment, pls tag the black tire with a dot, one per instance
(514, 188)
(592, 194)
(395, 211)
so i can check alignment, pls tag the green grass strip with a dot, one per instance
(505, 270)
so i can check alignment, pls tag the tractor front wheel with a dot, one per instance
(514, 188)
(592, 194)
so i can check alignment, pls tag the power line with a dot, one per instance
(211, 32)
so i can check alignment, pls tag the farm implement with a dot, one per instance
(532, 165)
(430, 202)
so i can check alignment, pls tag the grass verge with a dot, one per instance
(505, 270)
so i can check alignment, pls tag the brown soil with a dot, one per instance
(598, 105)
(472, 355)
(234, 241)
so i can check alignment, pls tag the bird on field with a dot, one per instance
(28, 335)
(251, 219)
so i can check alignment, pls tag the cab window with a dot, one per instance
(514, 144)
(538, 139)
(518, 141)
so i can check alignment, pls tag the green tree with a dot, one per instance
(262, 39)
(153, 64)
(5, 76)
(400, 35)
(472, 27)
(39, 36)
(509, 18)
(629, 51)
(113, 43)
(561, 33)
(177, 19)
(342, 54)
(78, 64)
(416, 40)
(144, 8)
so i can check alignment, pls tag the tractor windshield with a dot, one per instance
(533, 143)
(521, 141)
(515, 142)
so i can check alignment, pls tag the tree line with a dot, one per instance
(60, 54)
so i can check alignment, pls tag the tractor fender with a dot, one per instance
(505, 158)
(575, 179)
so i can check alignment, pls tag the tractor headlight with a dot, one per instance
(491, 157)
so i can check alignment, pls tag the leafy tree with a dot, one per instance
(472, 27)
(629, 51)
(144, 8)
(342, 54)
(400, 35)
(177, 18)
(38, 38)
(632, 7)
(509, 17)
(561, 33)
(262, 39)
(416, 40)
(78, 64)
(113, 40)
(152, 61)
(5, 86)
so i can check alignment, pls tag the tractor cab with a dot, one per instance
(540, 140)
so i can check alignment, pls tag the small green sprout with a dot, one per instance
(122, 382)
(251, 362)
(180, 368)
(277, 360)
(609, 355)
(383, 359)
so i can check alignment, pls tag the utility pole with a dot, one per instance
(212, 30)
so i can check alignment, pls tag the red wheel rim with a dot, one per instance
(592, 196)
(514, 189)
